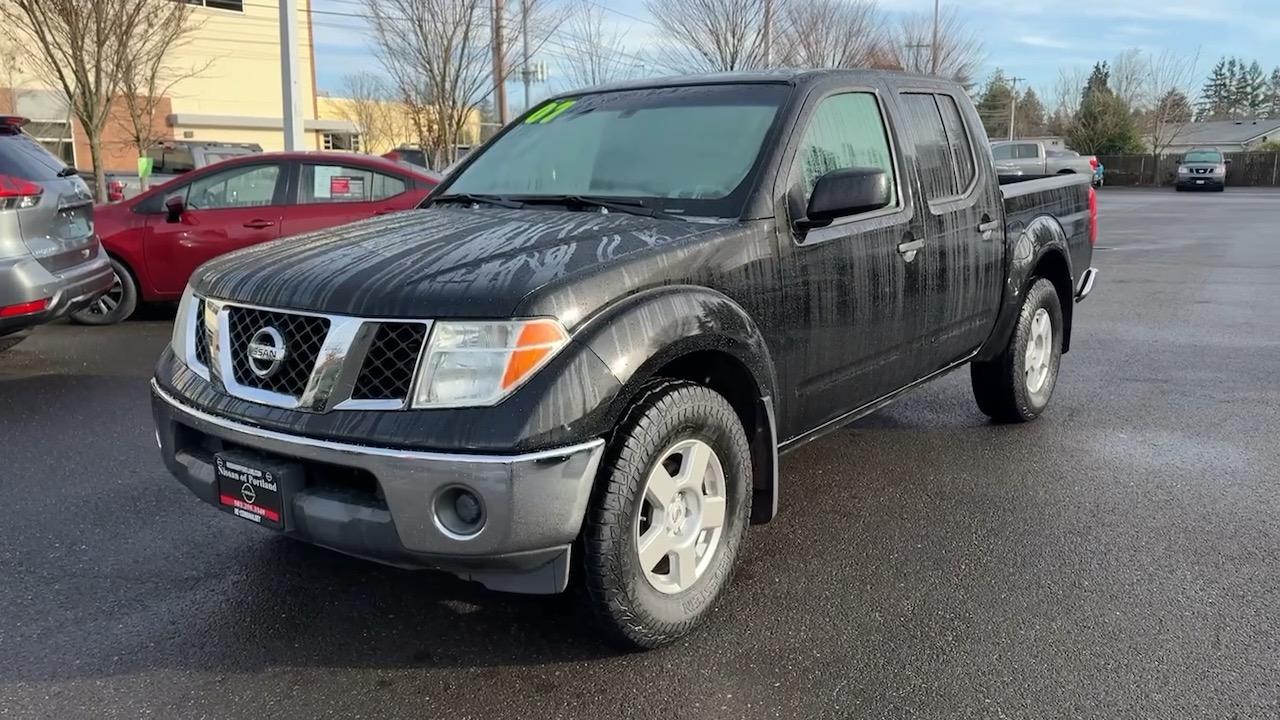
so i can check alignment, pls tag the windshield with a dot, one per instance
(683, 150)
(1202, 156)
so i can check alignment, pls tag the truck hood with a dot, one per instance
(434, 262)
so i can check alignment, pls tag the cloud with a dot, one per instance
(1043, 41)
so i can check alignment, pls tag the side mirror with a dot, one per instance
(1226, 161)
(847, 191)
(176, 205)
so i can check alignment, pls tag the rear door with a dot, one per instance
(46, 209)
(332, 192)
(228, 208)
(853, 294)
(962, 256)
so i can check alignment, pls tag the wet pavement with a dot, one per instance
(1115, 559)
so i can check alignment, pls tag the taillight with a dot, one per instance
(1093, 217)
(16, 193)
(1093, 162)
(115, 191)
(28, 308)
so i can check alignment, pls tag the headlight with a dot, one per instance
(183, 331)
(469, 364)
(1183, 171)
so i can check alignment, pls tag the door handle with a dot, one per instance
(910, 247)
(988, 226)
(385, 211)
(259, 224)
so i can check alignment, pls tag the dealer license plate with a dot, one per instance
(254, 487)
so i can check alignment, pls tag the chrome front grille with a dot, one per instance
(305, 361)
(302, 336)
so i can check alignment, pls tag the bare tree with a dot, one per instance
(830, 33)
(959, 50)
(148, 72)
(712, 35)
(11, 65)
(1129, 77)
(1064, 100)
(76, 45)
(368, 102)
(591, 47)
(1168, 75)
(438, 56)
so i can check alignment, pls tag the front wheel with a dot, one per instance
(668, 515)
(116, 305)
(1017, 385)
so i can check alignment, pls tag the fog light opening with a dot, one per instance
(459, 512)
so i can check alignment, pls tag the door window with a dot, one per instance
(938, 172)
(1002, 152)
(958, 139)
(846, 130)
(346, 184)
(241, 187)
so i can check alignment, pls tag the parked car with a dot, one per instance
(170, 159)
(158, 238)
(51, 262)
(1202, 169)
(1035, 158)
(591, 345)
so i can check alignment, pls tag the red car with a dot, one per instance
(157, 239)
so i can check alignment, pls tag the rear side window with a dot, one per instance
(345, 184)
(846, 130)
(1027, 151)
(958, 139)
(938, 172)
(21, 156)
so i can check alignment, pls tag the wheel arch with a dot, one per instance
(700, 335)
(1040, 250)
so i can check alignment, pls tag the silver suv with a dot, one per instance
(51, 262)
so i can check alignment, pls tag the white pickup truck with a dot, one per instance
(1031, 157)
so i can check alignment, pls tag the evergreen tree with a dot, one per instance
(1099, 81)
(1216, 92)
(994, 105)
(1174, 108)
(1253, 91)
(1105, 125)
(1030, 118)
(1273, 95)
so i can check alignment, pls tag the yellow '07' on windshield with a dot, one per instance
(549, 112)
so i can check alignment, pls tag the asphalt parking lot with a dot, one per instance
(1115, 559)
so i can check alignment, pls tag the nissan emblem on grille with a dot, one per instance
(266, 352)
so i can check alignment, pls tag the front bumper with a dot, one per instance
(380, 503)
(24, 280)
(1200, 181)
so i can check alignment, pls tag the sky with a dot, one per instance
(1031, 39)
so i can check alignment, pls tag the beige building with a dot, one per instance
(234, 97)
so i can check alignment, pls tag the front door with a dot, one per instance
(225, 210)
(853, 293)
(962, 227)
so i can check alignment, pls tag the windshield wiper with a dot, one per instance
(474, 199)
(623, 205)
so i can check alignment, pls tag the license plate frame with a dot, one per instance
(1199, 182)
(257, 487)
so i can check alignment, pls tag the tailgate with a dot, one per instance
(59, 230)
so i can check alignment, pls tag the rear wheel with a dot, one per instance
(1017, 385)
(668, 515)
(116, 306)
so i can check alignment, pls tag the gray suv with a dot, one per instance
(51, 262)
(1202, 169)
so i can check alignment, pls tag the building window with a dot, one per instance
(234, 5)
(56, 138)
(349, 142)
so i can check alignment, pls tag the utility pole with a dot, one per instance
(527, 72)
(499, 62)
(933, 54)
(289, 85)
(1013, 104)
(768, 33)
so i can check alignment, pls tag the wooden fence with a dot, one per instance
(1251, 169)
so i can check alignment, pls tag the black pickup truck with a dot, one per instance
(577, 363)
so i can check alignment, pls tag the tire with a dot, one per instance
(116, 306)
(667, 427)
(1002, 387)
